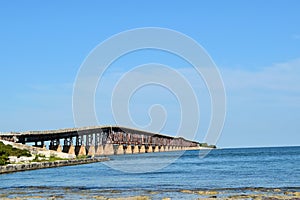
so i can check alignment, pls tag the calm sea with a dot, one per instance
(222, 168)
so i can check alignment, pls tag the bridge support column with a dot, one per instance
(135, 149)
(129, 149)
(99, 150)
(149, 149)
(165, 148)
(80, 150)
(55, 148)
(119, 149)
(108, 149)
(159, 148)
(155, 149)
(91, 150)
(142, 149)
(69, 149)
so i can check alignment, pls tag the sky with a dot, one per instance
(255, 45)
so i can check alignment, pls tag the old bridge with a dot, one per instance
(102, 140)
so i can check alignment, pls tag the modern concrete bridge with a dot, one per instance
(102, 140)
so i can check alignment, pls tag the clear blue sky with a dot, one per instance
(255, 44)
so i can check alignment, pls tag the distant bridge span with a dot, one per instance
(102, 140)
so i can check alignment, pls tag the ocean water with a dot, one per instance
(230, 169)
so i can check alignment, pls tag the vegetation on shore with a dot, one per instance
(207, 146)
(43, 158)
(8, 150)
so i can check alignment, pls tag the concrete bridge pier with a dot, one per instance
(149, 149)
(80, 150)
(55, 148)
(167, 148)
(155, 148)
(68, 146)
(161, 148)
(142, 149)
(118, 149)
(91, 150)
(108, 149)
(129, 149)
(55, 145)
(70, 149)
(99, 150)
(135, 149)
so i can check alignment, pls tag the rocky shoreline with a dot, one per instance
(48, 164)
(134, 194)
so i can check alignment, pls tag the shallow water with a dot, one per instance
(231, 169)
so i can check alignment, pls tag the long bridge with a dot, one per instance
(102, 140)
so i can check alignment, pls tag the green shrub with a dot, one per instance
(2, 162)
(8, 150)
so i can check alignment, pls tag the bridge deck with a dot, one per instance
(97, 136)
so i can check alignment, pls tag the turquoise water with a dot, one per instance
(221, 168)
